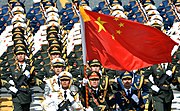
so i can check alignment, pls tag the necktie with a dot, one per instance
(65, 95)
(164, 66)
(21, 67)
(129, 94)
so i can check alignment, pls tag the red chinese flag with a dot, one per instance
(121, 44)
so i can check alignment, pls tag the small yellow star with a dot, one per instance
(121, 25)
(116, 19)
(118, 32)
(100, 24)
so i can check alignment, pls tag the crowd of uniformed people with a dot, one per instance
(42, 47)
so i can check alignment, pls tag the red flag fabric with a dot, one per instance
(122, 44)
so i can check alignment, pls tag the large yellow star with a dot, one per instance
(100, 24)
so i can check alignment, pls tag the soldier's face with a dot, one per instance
(95, 68)
(127, 82)
(55, 55)
(94, 82)
(58, 69)
(178, 9)
(20, 57)
(65, 83)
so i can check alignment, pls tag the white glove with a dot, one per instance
(11, 82)
(115, 79)
(27, 73)
(85, 81)
(13, 89)
(71, 98)
(169, 72)
(89, 109)
(135, 98)
(155, 88)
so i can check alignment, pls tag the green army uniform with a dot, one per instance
(159, 83)
(3, 67)
(176, 68)
(21, 82)
(18, 77)
(98, 98)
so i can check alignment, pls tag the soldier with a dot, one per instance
(52, 84)
(158, 80)
(95, 65)
(18, 79)
(176, 68)
(177, 5)
(127, 98)
(68, 94)
(54, 52)
(98, 98)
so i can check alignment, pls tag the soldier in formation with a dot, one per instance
(158, 80)
(52, 84)
(18, 77)
(128, 97)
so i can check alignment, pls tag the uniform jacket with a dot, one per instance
(21, 82)
(126, 103)
(162, 80)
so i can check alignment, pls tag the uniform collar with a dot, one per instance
(23, 65)
(126, 90)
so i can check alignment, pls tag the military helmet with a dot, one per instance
(93, 75)
(58, 62)
(20, 43)
(36, 1)
(177, 2)
(54, 43)
(147, 2)
(20, 50)
(18, 30)
(156, 23)
(55, 50)
(52, 36)
(94, 62)
(65, 75)
(18, 10)
(18, 37)
(53, 28)
(126, 74)
(10, 1)
(52, 9)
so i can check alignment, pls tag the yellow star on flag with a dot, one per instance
(100, 24)
(118, 31)
(116, 19)
(121, 25)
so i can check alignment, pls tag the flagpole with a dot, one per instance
(84, 54)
